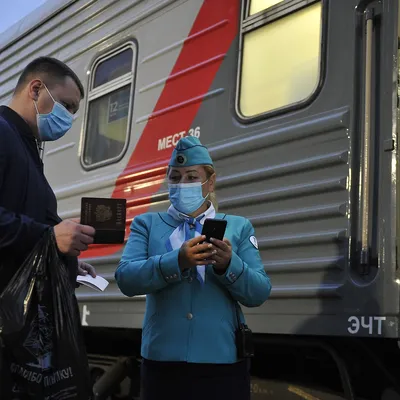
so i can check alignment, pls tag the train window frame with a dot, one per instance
(94, 93)
(249, 23)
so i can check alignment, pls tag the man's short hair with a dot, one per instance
(51, 70)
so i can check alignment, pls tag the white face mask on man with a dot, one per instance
(56, 124)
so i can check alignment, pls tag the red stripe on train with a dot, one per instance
(201, 56)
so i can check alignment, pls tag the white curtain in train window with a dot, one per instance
(260, 5)
(281, 62)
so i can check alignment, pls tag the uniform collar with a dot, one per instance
(169, 220)
(181, 217)
(174, 223)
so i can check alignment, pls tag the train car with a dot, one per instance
(297, 101)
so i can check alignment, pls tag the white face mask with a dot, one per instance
(187, 197)
(56, 124)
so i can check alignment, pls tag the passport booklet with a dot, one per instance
(107, 216)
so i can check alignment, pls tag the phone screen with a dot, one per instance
(214, 228)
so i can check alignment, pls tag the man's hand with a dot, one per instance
(222, 254)
(85, 268)
(193, 253)
(72, 238)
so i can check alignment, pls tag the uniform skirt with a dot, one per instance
(183, 381)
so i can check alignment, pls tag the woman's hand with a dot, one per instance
(222, 255)
(193, 253)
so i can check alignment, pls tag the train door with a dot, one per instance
(397, 149)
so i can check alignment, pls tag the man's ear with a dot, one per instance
(34, 88)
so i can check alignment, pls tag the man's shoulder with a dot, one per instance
(6, 132)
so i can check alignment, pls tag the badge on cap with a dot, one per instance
(181, 159)
(253, 241)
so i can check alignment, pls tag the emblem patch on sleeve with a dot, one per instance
(253, 241)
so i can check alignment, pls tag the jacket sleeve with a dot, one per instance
(17, 231)
(245, 277)
(139, 274)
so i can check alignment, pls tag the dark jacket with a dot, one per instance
(28, 205)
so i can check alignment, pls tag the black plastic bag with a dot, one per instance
(40, 327)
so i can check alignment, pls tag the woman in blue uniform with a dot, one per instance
(193, 289)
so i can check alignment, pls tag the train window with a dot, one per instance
(281, 50)
(260, 5)
(113, 67)
(109, 107)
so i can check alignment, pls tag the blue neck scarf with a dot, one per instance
(184, 232)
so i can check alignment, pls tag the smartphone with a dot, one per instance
(214, 228)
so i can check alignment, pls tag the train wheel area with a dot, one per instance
(284, 367)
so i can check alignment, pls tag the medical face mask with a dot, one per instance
(187, 197)
(54, 125)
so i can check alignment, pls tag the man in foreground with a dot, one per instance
(43, 108)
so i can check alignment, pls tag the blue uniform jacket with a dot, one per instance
(184, 321)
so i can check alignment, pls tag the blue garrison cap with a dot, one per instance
(189, 151)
